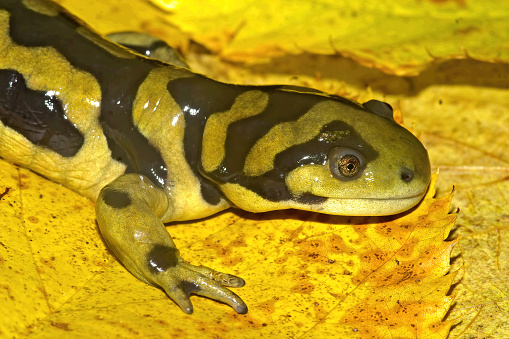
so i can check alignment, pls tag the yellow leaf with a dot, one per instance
(471, 148)
(114, 16)
(400, 37)
(305, 272)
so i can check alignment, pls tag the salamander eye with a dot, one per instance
(346, 163)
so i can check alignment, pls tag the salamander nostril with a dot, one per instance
(407, 175)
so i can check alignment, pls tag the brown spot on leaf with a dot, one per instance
(467, 30)
(5, 192)
(77, 207)
(282, 260)
(336, 244)
(238, 242)
(303, 288)
(61, 325)
(221, 251)
(161, 322)
(312, 250)
(268, 306)
(231, 261)
(33, 219)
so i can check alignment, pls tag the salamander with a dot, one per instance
(151, 142)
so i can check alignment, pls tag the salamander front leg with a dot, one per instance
(128, 213)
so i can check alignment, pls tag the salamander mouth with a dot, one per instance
(418, 195)
(367, 206)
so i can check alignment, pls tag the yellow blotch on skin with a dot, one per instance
(318, 180)
(214, 136)
(260, 158)
(249, 200)
(319, 175)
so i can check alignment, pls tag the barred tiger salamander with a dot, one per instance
(152, 142)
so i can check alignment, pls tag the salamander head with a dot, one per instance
(337, 157)
(380, 168)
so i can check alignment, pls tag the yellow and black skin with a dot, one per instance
(153, 142)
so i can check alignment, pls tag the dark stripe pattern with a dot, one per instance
(119, 79)
(116, 199)
(200, 97)
(37, 115)
(161, 258)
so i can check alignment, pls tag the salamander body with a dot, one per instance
(152, 142)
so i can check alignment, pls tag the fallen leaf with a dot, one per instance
(304, 271)
(468, 137)
(114, 16)
(399, 37)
